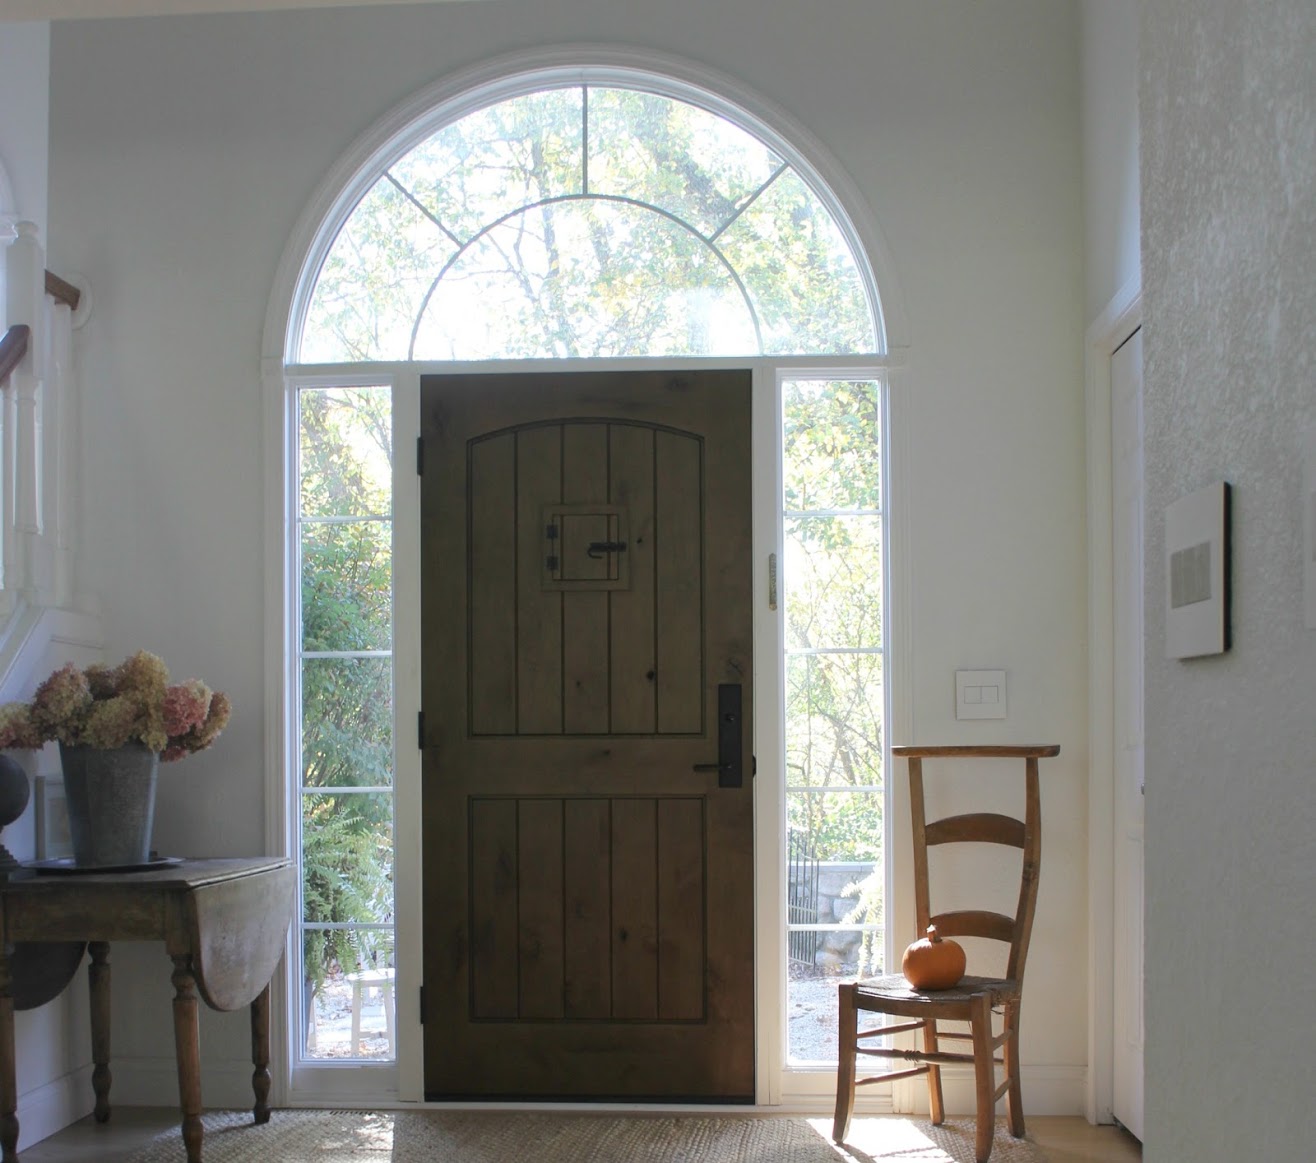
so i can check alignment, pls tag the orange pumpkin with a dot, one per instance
(933, 963)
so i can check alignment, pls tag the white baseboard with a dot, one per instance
(1047, 1090)
(52, 1107)
(154, 1082)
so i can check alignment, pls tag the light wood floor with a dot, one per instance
(1065, 1140)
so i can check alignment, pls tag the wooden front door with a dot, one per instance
(586, 621)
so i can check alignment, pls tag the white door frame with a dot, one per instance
(1120, 318)
(389, 1085)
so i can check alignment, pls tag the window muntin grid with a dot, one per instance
(587, 221)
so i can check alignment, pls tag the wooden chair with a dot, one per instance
(974, 998)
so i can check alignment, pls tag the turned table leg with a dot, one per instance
(8, 1082)
(98, 982)
(187, 1045)
(260, 1055)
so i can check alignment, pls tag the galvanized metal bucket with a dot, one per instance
(111, 801)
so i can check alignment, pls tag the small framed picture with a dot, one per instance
(52, 819)
(1197, 573)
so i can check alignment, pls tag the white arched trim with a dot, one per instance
(8, 209)
(524, 72)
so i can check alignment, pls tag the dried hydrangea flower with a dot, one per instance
(17, 729)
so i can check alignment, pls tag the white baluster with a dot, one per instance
(25, 292)
(60, 421)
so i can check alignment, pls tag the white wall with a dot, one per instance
(24, 115)
(183, 150)
(52, 1043)
(1228, 112)
(1112, 239)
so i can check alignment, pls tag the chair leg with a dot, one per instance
(1014, 1096)
(936, 1107)
(847, 1020)
(980, 1021)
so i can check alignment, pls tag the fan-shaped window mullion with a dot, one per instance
(753, 226)
(712, 247)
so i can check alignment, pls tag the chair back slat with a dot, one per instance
(974, 923)
(983, 827)
(980, 827)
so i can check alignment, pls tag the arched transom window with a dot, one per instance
(590, 221)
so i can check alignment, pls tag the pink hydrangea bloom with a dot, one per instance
(108, 707)
(17, 728)
(185, 706)
(61, 703)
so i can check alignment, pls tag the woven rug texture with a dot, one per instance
(300, 1136)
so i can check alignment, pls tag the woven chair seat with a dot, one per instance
(893, 987)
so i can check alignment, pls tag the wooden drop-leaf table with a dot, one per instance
(223, 924)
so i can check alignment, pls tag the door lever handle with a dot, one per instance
(730, 759)
(596, 549)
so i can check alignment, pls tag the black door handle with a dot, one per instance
(597, 549)
(730, 765)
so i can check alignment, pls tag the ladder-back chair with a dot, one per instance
(974, 998)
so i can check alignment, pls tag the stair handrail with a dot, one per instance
(13, 346)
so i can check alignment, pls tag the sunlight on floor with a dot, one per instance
(888, 1138)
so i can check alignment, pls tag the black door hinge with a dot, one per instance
(420, 456)
(422, 1005)
(420, 730)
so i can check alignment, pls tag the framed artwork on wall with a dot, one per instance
(52, 819)
(1197, 573)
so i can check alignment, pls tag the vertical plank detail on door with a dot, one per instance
(679, 545)
(492, 589)
(493, 909)
(584, 613)
(538, 611)
(633, 668)
(539, 892)
(681, 952)
(634, 908)
(587, 924)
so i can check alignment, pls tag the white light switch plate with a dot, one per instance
(980, 694)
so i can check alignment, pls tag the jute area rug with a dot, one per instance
(428, 1136)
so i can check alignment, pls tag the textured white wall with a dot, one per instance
(1228, 112)
(184, 149)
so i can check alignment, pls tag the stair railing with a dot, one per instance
(38, 431)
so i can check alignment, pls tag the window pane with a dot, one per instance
(497, 160)
(832, 433)
(690, 162)
(834, 720)
(841, 829)
(347, 586)
(346, 448)
(374, 280)
(586, 279)
(352, 994)
(800, 272)
(535, 251)
(811, 1002)
(347, 858)
(347, 722)
(832, 575)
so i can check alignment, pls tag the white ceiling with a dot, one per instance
(81, 9)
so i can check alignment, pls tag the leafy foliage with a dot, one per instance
(347, 706)
(587, 222)
(832, 576)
